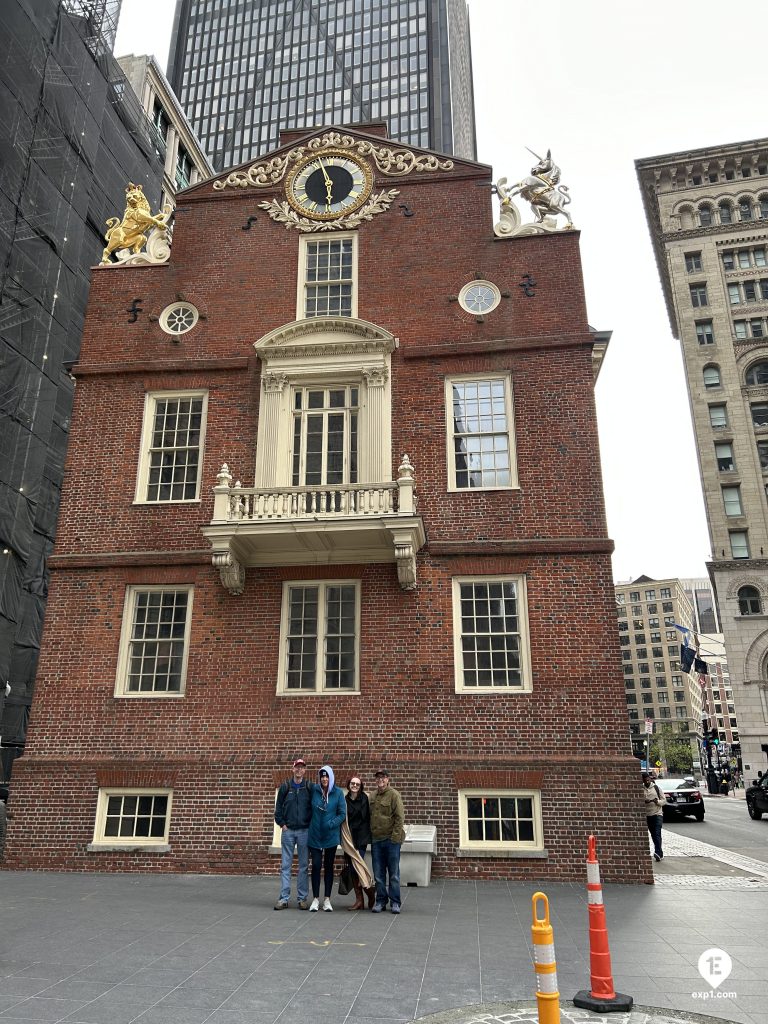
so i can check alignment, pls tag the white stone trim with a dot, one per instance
(301, 282)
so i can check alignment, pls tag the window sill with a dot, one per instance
(462, 851)
(161, 504)
(127, 848)
(149, 695)
(318, 693)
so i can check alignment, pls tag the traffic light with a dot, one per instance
(715, 737)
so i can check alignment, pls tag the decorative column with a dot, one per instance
(376, 447)
(221, 495)
(405, 484)
(268, 463)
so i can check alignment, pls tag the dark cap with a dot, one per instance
(382, 771)
(298, 761)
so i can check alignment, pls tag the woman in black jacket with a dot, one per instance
(359, 821)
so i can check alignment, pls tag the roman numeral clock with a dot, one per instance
(328, 185)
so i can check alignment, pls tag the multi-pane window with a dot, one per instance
(490, 634)
(665, 592)
(705, 333)
(759, 411)
(325, 440)
(498, 818)
(711, 377)
(650, 595)
(481, 442)
(155, 641)
(762, 454)
(320, 626)
(732, 501)
(132, 817)
(749, 601)
(328, 277)
(692, 261)
(699, 295)
(757, 374)
(169, 469)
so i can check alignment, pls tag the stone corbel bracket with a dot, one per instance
(405, 557)
(232, 573)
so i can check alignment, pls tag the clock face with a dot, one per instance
(329, 185)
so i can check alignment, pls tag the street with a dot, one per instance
(727, 825)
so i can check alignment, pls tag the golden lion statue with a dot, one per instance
(131, 231)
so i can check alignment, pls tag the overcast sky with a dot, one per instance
(602, 83)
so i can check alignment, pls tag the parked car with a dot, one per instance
(757, 797)
(683, 798)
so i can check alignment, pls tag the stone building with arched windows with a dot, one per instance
(707, 211)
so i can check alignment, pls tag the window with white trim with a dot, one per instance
(490, 635)
(480, 425)
(498, 819)
(154, 643)
(327, 275)
(172, 447)
(132, 817)
(319, 650)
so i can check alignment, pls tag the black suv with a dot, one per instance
(757, 798)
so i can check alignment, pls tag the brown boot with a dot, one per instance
(371, 894)
(358, 904)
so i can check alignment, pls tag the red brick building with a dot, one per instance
(403, 561)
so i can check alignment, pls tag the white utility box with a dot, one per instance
(416, 853)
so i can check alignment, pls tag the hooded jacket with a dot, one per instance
(327, 813)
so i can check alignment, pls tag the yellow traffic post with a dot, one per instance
(547, 995)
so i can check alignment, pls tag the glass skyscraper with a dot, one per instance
(244, 69)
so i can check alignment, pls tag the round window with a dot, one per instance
(479, 297)
(179, 318)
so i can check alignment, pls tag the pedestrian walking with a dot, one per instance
(388, 832)
(654, 803)
(359, 822)
(293, 811)
(329, 810)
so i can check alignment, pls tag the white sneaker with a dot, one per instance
(327, 903)
(314, 905)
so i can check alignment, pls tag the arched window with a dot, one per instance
(745, 208)
(764, 207)
(726, 214)
(705, 215)
(757, 374)
(749, 601)
(711, 376)
(686, 218)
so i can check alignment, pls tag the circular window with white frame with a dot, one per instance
(479, 297)
(178, 318)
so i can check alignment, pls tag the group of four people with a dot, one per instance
(315, 818)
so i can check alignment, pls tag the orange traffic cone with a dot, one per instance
(602, 997)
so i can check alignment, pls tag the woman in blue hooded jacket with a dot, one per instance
(329, 809)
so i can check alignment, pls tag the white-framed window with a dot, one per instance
(479, 297)
(320, 626)
(711, 376)
(327, 275)
(692, 261)
(699, 295)
(739, 544)
(724, 456)
(718, 416)
(704, 332)
(732, 501)
(178, 318)
(325, 436)
(480, 432)
(132, 817)
(154, 641)
(490, 635)
(173, 436)
(498, 819)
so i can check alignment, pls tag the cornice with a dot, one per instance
(159, 366)
(534, 546)
(111, 559)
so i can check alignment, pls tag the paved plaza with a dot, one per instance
(170, 949)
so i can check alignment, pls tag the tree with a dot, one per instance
(673, 748)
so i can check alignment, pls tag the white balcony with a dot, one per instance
(323, 525)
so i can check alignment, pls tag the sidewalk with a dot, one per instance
(169, 949)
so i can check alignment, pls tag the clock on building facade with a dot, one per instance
(329, 185)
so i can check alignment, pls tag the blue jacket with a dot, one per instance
(293, 806)
(327, 816)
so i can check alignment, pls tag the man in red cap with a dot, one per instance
(293, 811)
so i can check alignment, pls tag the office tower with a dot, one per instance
(707, 212)
(316, 511)
(243, 72)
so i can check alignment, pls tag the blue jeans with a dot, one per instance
(654, 827)
(290, 839)
(386, 861)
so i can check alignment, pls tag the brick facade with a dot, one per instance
(224, 744)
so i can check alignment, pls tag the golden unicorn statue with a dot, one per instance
(131, 232)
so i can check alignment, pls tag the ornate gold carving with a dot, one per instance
(393, 162)
(131, 232)
(284, 214)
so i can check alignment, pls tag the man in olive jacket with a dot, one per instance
(387, 829)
